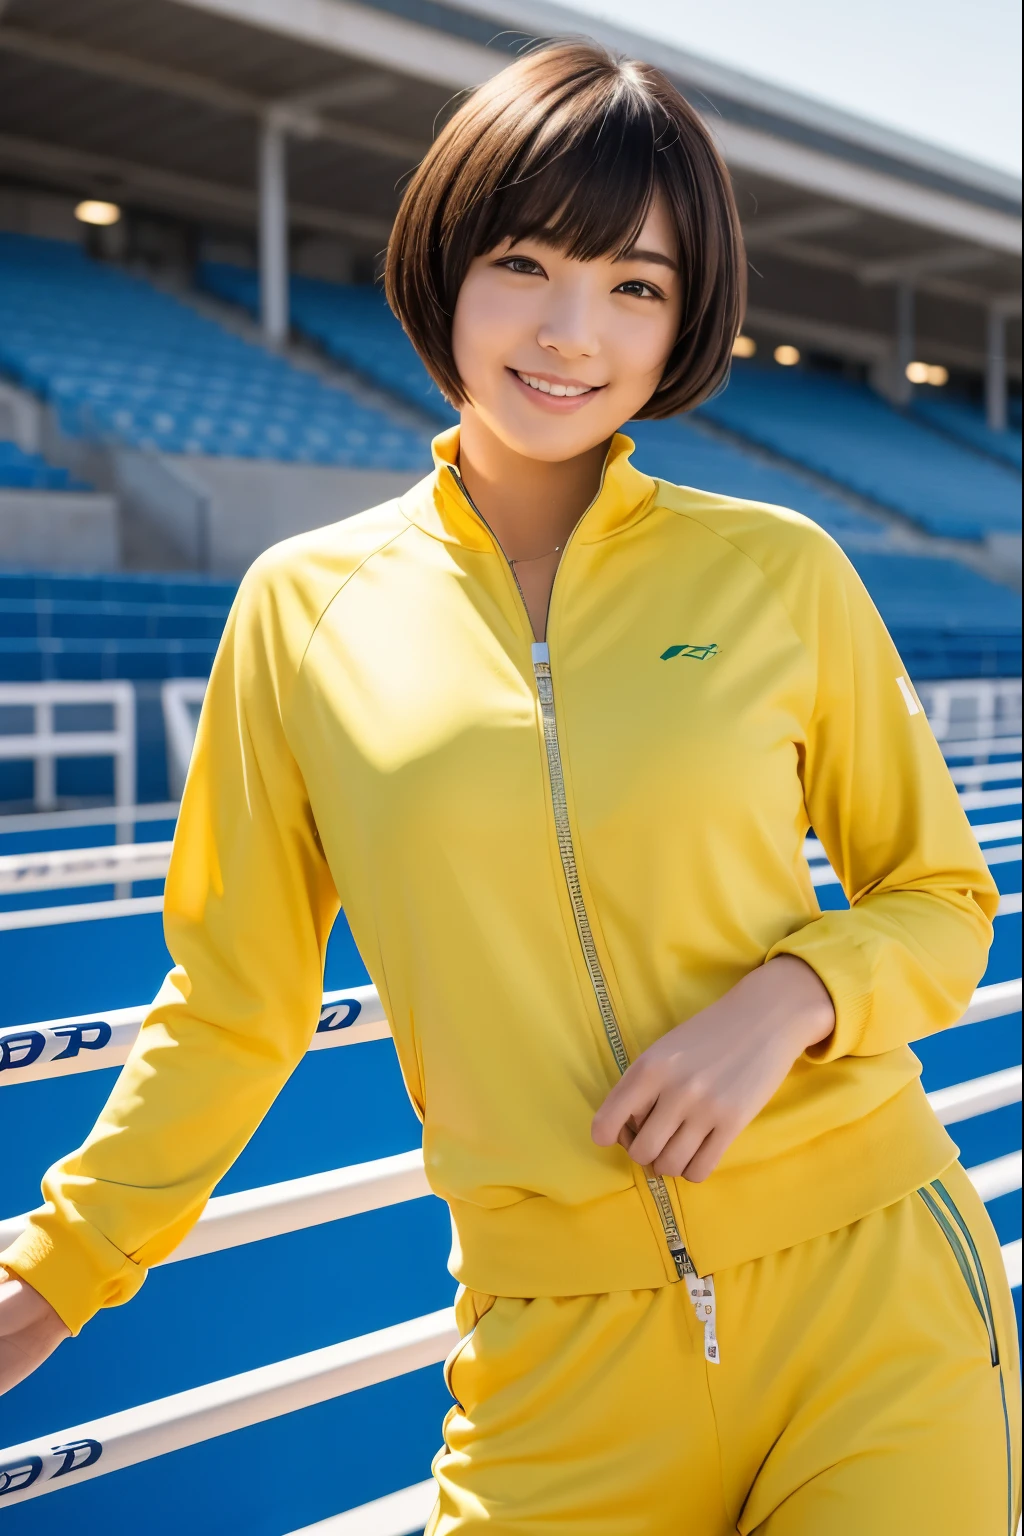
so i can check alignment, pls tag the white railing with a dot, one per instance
(44, 745)
(44, 1464)
(92, 816)
(1002, 1176)
(986, 799)
(396, 1514)
(272, 1210)
(985, 746)
(979, 1096)
(984, 773)
(182, 699)
(171, 1423)
(972, 707)
(87, 1042)
(822, 872)
(253, 1215)
(62, 869)
(123, 1439)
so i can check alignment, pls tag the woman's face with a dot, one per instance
(554, 353)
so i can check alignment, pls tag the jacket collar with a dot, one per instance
(441, 508)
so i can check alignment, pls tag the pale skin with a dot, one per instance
(532, 461)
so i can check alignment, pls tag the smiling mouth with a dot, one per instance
(561, 391)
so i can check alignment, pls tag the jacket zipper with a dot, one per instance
(701, 1289)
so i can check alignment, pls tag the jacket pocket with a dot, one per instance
(478, 1305)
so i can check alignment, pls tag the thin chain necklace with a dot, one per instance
(532, 559)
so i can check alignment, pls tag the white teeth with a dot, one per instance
(553, 389)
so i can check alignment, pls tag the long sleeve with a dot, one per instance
(248, 908)
(903, 961)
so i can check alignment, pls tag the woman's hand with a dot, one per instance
(30, 1329)
(686, 1099)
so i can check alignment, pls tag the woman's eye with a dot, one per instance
(638, 290)
(521, 264)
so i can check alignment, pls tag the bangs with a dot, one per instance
(584, 183)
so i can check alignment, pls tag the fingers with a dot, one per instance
(631, 1100)
(682, 1146)
(663, 1122)
(708, 1154)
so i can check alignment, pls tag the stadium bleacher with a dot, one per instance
(68, 628)
(843, 430)
(353, 325)
(21, 471)
(822, 423)
(141, 365)
(123, 361)
(966, 423)
(947, 621)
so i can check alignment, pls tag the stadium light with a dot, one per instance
(93, 212)
(744, 346)
(787, 356)
(927, 373)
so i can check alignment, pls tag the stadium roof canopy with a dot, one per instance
(863, 241)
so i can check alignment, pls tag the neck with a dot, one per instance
(530, 505)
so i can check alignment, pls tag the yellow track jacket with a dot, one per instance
(548, 855)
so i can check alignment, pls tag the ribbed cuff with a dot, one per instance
(839, 965)
(66, 1272)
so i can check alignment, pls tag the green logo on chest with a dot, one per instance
(698, 652)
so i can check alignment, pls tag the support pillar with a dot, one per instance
(995, 370)
(273, 184)
(904, 340)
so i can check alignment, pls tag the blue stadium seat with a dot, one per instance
(843, 430)
(946, 620)
(966, 422)
(100, 627)
(20, 471)
(125, 362)
(353, 325)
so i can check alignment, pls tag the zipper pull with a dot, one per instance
(702, 1296)
(542, 671)
(707, 1307)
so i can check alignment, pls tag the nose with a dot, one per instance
(568, 325)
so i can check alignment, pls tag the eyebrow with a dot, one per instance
(658, 257)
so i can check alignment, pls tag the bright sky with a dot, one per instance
(948, 71)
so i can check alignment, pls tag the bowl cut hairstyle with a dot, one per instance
(572, 144)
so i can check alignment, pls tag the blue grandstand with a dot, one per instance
(946, 620)
(21, 471)
(122, 361)
(843, 430)
(97, 628)
(966, 423)
(125, 362)
(353, 325)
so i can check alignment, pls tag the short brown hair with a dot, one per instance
(572, 143)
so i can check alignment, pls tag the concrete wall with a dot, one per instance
(191, 512)
(251, 504)
(59, 531)
(21, 418)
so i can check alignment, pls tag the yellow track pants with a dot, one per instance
(868, 1383)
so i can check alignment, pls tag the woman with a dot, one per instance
(553, 733)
